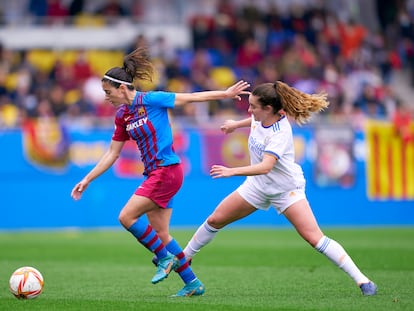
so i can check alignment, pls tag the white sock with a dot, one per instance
(336, 253)
(204, 234)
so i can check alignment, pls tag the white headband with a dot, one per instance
(116, 80)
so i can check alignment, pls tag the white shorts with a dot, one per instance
(260, 199)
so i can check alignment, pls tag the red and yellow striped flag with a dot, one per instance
(390, 163)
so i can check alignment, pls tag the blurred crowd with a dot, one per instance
(309, 46)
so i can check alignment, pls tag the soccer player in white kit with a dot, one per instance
(273, 177)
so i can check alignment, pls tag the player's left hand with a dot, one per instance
(237, 89)
(229, 126)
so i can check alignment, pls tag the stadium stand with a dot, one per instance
(209, 45)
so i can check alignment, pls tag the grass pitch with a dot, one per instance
(243, 269)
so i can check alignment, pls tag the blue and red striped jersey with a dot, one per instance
(146, 121)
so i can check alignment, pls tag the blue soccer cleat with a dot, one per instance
(368, 289)
(164, 267)
(195, 288)
(154, 260)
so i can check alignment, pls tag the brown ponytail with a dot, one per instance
(299, 105)
(138, 65)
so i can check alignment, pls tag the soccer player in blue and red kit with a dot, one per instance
(143, 117)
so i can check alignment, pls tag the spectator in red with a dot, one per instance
(305, 51)
(56, 11)
(352, 36)
(331, 34)
(249, 54)
(113, 8)
(402, 122)
(62, 74)
(82, 69)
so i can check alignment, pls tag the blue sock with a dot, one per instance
(184, 270)
(147, 236)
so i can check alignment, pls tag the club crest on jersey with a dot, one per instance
(141, 111)
(136, 124)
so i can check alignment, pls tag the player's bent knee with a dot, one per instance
(215, 222)
(124, 220)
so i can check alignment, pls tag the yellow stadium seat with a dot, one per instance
(68, 57)
(223, 76)
(9, 115)
(101, 61)
(86, 20)
(43, 60)
(72, 96)
(176, 86)
(11, 82)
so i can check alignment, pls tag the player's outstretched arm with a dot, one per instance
(235, 91)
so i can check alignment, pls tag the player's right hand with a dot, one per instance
(78, 190)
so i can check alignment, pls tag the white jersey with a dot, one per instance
(276, 140)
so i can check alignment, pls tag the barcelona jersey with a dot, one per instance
(146, 121)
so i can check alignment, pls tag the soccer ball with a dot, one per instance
(26, 283)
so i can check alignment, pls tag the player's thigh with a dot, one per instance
(232, 208)
(135, 207)
(302, 218)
